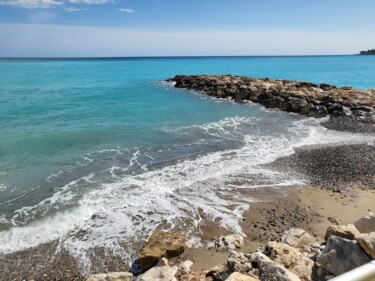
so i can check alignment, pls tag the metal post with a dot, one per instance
(363, 273)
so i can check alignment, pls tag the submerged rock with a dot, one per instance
(162, 244)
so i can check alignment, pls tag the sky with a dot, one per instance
(108, 28)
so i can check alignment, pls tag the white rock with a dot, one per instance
(366, 224)
(184, 268)
(269, 270)
(291, 258)
(113, 276)
(294, 236)
(161, 272)
(232, 241)
(237, 276)
(238, 262)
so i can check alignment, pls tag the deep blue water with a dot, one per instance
(78, 135)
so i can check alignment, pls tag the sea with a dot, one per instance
(101, 152)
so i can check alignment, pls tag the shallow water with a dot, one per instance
(108, 138)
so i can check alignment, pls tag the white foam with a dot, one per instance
(3, 187)
(180, 195)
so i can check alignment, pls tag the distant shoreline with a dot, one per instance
(15, 59)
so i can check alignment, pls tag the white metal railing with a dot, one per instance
(363, 273)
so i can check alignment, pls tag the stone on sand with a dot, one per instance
(347, 231)
(162, 244)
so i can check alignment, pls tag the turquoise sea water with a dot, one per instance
(109, 138)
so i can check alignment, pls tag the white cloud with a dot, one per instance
(127, 10)
(19, 40)
(31, 4)
(72, 9)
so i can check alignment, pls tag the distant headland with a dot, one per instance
(368, 52)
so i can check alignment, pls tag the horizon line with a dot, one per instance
(158, 57)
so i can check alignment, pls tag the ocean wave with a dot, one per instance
(181, 195)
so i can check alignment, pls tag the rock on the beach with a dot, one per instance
(162, 244)
(366, 224)
(269, 270)
(184, 268)
(291, 258)
(113, 276)
(341, 255)
(367, 242)
(237, 276)
(347, 231)
(161, 272)
(193, 276)
(232, 241)
(294, 236)
(238, 262)
(219, 272)
(318, 111)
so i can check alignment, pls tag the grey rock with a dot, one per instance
(366, 224)
(269, 270)
(294, 236)
(238, 262)
(317, 111)
(341, 255)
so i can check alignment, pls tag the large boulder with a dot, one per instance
(341, 255)
(269, 270)
(161, 244)
(291, 258)
(367, 242)
(161, 272)
(113, 276)
(233, 242)
(297, 105)
(347, 231)
(366, 224)
(294, 236)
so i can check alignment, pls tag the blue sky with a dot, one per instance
(194, 27)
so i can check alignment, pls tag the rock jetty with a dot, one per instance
(292, 96)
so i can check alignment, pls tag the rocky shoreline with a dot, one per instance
(292, 96)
